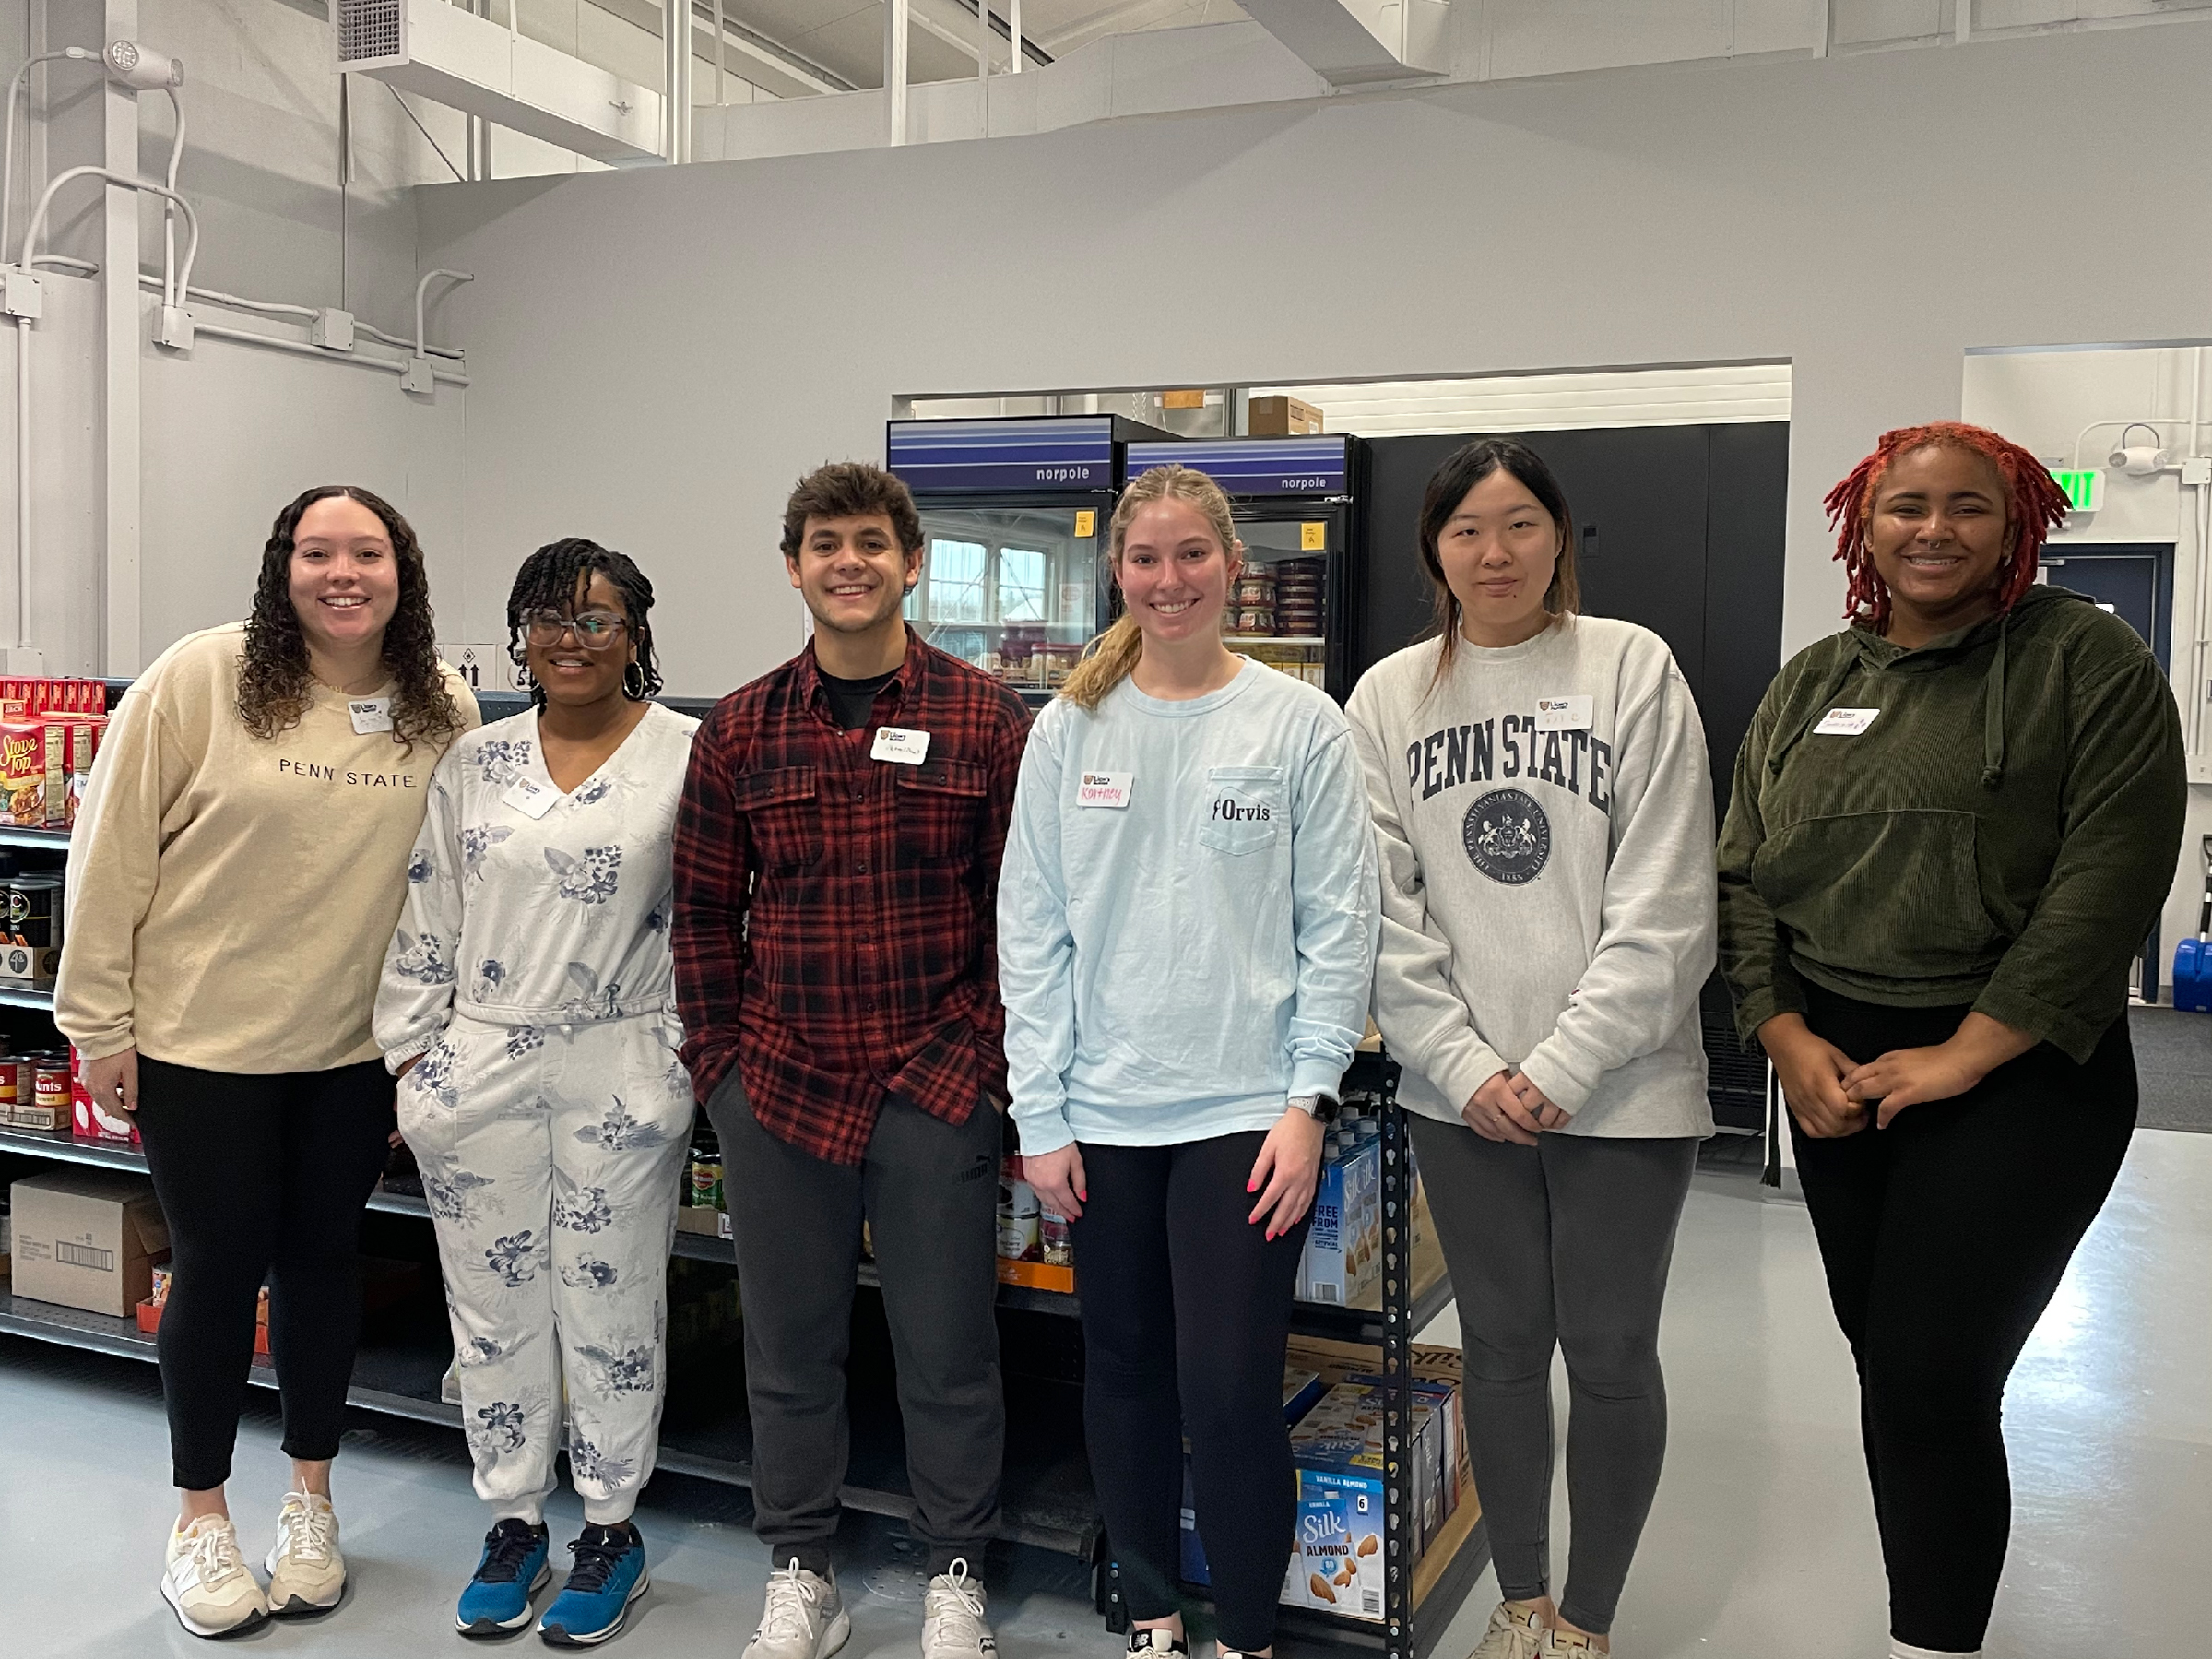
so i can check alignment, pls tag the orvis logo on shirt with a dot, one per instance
(1508, 836)
(1230, 809)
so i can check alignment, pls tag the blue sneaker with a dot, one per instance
(497, 1602)
(609, 1574)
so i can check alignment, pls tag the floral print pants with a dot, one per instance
(550, 1157)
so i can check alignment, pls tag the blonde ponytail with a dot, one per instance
(1113, 656)
(1112, 659)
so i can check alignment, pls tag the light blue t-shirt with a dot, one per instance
(1180, 965)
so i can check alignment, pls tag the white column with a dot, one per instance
(1013, 27)
(120, 337)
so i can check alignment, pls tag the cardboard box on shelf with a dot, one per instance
(1283, 418)
(87, 1238)
(698, 1219)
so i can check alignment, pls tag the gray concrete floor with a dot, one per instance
(1762, 1542)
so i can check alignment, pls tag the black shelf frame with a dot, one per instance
(1045, 1504)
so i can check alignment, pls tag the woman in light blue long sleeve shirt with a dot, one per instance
(1188, 917)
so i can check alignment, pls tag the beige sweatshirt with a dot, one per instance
(230, 897)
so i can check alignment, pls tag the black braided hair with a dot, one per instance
(548, 581)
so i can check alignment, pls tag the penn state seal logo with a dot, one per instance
(1507, 836)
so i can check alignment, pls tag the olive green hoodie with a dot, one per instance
(2002, 832)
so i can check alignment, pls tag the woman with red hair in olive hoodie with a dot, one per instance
(1952, 825)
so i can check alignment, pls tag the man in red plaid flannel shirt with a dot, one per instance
(836, 878)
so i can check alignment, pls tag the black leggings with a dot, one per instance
(260, 1175)
(1945, 1235)
(1167, 1266)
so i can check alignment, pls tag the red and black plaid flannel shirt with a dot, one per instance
(836, 915)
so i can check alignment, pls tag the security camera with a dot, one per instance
(142, 68)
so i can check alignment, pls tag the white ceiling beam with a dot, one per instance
(1349, 42)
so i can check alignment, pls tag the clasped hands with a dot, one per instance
(1830, 1095)
(1510, 1107)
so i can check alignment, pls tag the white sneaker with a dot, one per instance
(801, 1617)
(306, 1572)
(1570, 1641)
(206, 1580)
(952, 1625)
(1511, 1635)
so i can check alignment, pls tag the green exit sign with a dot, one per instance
(2085, 489)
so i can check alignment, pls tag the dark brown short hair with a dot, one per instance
(851, 490)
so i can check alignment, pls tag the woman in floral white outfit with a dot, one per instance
(527, 1002)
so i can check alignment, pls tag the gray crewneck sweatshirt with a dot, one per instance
(1543, 815)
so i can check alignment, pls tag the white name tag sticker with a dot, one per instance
(899, 744)
(530, 798)
(1105, 789)
(1563, 714)
(369, 714)
(1845, 722)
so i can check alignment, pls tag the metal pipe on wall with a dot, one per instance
(898, 22)
(676, 100)
(1013, 26)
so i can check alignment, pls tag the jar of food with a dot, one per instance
(1255, 619)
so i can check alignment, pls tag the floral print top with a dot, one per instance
(558, 919)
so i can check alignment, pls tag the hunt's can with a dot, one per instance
(11, 1085)
(33, 902)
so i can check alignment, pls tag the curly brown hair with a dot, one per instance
(274, 682)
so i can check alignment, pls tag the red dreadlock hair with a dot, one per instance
(2034, 506)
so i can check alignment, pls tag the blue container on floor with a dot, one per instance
(2193, 976)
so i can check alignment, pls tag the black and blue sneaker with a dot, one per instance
(609, 1574)
(497, 1602)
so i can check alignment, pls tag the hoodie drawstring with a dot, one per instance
(1993, 711)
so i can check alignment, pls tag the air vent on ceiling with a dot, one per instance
(370, 30)
(472, 64)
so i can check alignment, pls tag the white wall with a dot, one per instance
(2044, 400)
(233, 431)
(1779, 211)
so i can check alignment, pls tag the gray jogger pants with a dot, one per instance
(930, 1192)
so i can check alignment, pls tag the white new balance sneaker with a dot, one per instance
(307, 1575)
(1513, 1634)
(952, 1625)
(803, 1616)
(207, 1581)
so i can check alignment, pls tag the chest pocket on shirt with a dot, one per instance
(1247, 809)
(940, 809)
(780, 810)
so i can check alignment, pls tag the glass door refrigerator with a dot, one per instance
(1295, 502)
(1014, 537)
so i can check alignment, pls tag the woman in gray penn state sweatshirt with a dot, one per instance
(1544, 817)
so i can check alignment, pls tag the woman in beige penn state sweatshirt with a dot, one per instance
(235, 874)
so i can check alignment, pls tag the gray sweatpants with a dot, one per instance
(930, 1192)
(1566, 1243)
